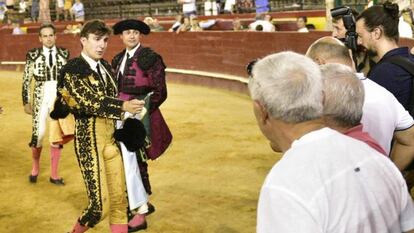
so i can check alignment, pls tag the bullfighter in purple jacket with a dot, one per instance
(141, 73)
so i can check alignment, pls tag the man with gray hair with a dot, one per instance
(344, 98)
(384, 118)
(326, 181)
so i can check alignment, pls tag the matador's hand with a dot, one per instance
(28, 109)
(133, 106)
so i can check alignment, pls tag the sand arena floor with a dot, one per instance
(207, 181)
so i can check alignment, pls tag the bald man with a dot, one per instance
(384, 126)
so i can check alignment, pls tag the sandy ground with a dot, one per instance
(208, 181)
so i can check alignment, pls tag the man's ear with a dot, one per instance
(83, 40)
(377, 33)
(263, 115)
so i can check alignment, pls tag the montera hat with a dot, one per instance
(131, 24)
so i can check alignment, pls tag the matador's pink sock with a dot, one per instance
(36, 160)
(54, 161)
(119, 228)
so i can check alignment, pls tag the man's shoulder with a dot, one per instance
(63, 52)
(146, 58)
(77, 67)
(33, 54)
(117, 58)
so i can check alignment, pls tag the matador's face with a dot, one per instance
(130, 38)
(47, 37)
(94, 46)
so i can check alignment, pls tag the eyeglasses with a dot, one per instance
(249, 67)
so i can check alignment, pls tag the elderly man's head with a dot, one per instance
(330, 50)
(287, 90)
(344, 96)
(288, 85)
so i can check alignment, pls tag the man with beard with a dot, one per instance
(377, 28)
(339, 31)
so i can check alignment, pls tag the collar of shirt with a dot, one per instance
(46, 50)
(132, 51)
(92, 63)
(402, 51)
(360, 76)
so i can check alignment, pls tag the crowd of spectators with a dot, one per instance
(39, 10)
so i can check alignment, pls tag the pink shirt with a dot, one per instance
(357, 133)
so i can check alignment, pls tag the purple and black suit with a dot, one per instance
(145, 72)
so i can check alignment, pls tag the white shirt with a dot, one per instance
(382, 113)
(331, 183)
(60, 3)
(303, 29)
(267, 26)
(129, 53)
(46, 52)
(404, 28)
(189, 6)
(93, 64)
(78, 9)
(228, 6)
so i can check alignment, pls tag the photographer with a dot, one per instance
(344, 30)
(377, 28)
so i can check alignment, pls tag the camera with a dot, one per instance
(349, 22)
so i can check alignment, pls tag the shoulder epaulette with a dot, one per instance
(78, 67)
(147, 58)
(33, 54)
(63, 52)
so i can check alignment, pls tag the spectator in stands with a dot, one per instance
(237, 25)
(22, 6)
(301, 24)
(264, 21)
(34, 11)
(67, 9)
(186, 26)
(229, 6)
(404, 28)
(377, 28)
(156, 26)
(3, 10)
(78, 11)
(287, 94)
(17, 30)
(153, 24)
(59, 9)
(141, 75)
(73, 29)
(189, 7)
(179, 20)
(44, 11)
(10, 4)
(245, 6)
(195, 26)
(259, 28)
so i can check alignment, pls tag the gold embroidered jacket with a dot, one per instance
(86, 94)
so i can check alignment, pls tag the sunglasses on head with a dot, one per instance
(249, 67)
